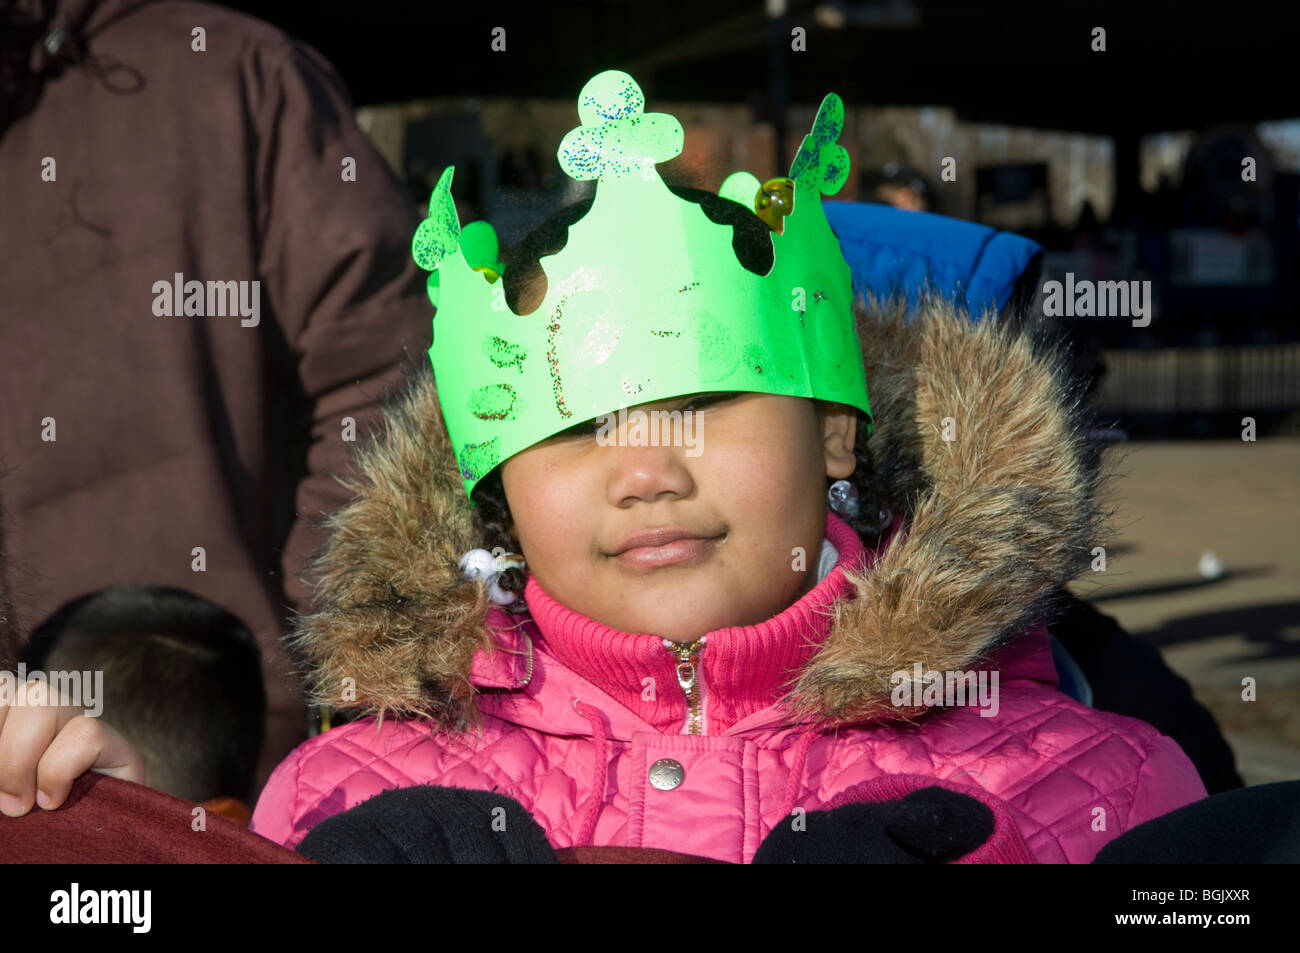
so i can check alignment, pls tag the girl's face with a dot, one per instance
(747, 489)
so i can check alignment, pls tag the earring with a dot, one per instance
(843, 498)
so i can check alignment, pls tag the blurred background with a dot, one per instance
(1114, 134)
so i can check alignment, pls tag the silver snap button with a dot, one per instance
(666, 774)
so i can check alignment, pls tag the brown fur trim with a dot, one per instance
(394, 613)
(998, 518)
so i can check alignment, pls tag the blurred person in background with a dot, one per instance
(148, 145)
(896, 184)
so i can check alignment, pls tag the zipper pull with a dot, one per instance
(686, 676)
(686, 654)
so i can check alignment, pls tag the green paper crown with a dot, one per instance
(647, 301)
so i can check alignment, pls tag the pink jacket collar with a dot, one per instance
(746, 669)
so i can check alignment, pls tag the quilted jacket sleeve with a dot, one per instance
(1167, 781)
(276, 814)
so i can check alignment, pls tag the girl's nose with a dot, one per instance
(647, 473)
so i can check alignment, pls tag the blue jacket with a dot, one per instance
(891, 249)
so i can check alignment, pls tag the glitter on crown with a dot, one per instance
(647, 300)
(617, 138)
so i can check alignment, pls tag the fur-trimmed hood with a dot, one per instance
(976, 437)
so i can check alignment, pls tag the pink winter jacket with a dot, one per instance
(570, 717)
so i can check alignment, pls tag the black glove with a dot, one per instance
(1259, 825)
(431, 825)
(930, 826)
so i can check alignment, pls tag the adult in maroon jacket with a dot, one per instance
(205, 290)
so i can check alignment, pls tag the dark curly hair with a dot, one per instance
(752, 245)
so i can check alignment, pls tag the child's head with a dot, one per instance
(182, 681)
(755, 490)
(725, 321)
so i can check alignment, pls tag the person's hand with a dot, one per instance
(932, 825)
(44, 747)
(430, 824)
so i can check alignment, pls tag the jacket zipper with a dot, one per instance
(690, 677)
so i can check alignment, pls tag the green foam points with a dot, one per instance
(617, 138)
(647, 300)
(742, 188)
(438, 234)
(478, 243)
(822, 164)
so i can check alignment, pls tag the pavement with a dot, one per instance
(1228, 621)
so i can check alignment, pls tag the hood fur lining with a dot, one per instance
(998, 517)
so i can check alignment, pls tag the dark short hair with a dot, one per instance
(182, 682)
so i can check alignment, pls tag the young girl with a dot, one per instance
(695, 646)
(799, 601)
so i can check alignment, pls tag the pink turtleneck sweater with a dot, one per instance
(741, 670)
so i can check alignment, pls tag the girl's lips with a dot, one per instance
(679, 552)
